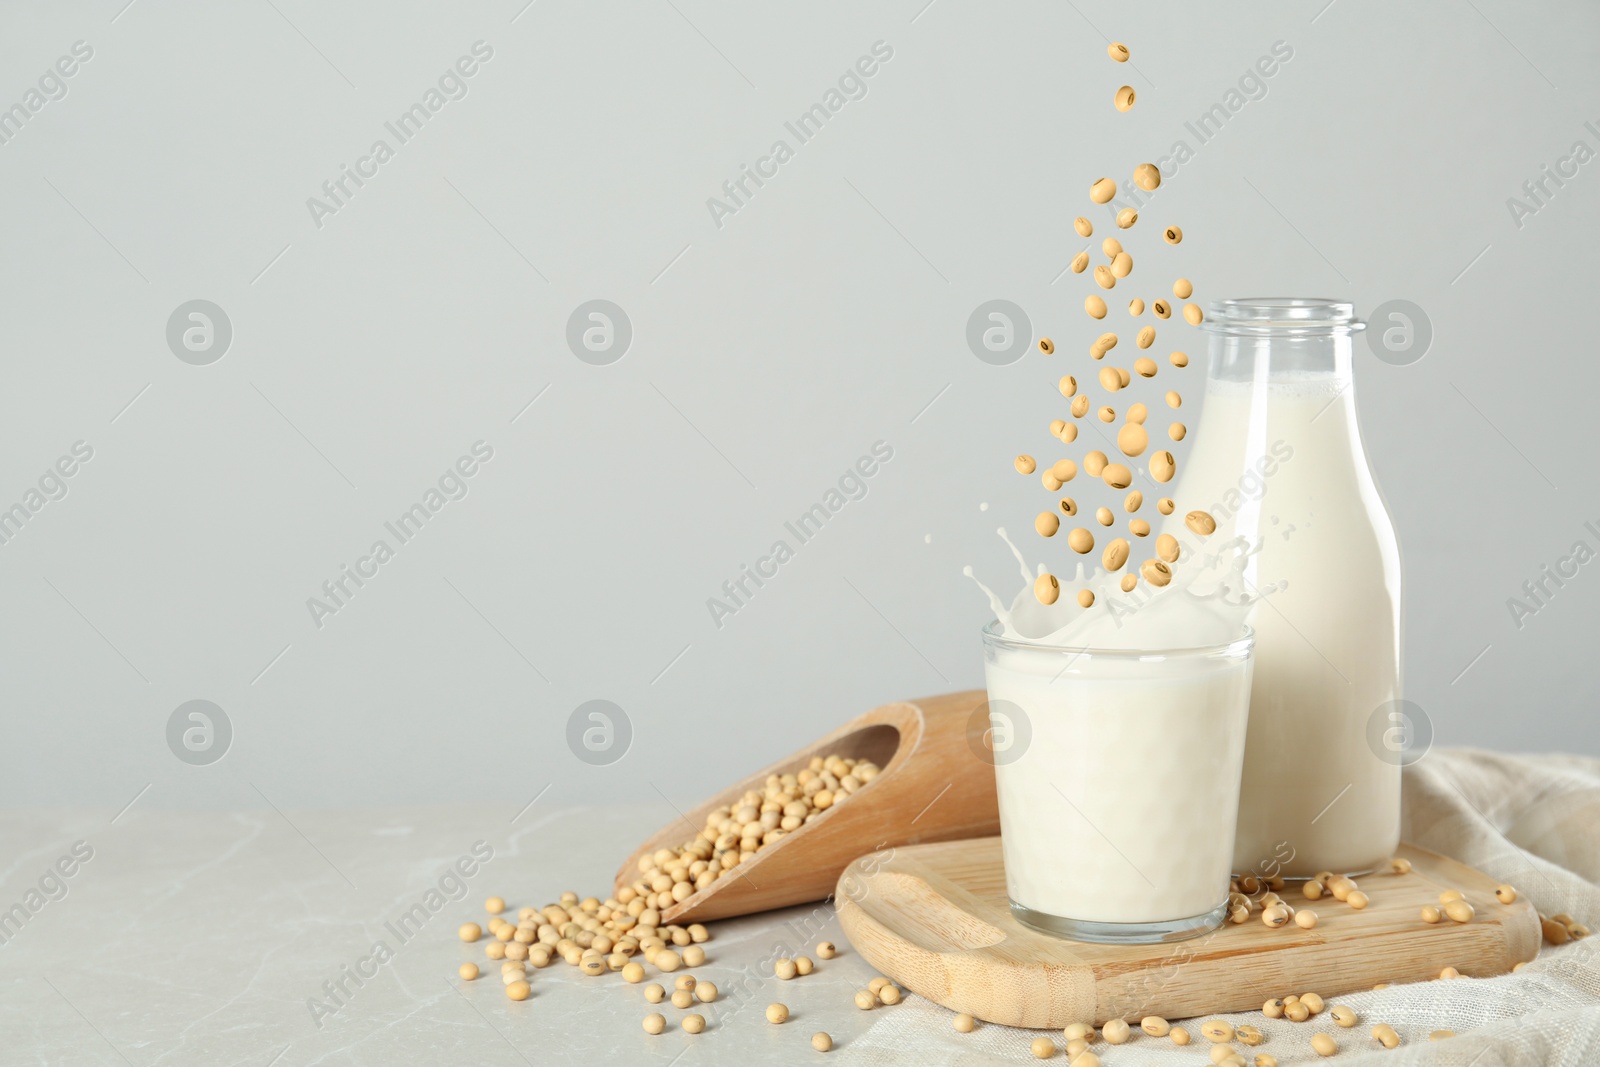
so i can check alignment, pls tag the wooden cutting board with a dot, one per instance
(936, 919)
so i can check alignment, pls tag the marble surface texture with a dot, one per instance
(209, 938)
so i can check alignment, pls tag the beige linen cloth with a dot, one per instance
(1532, 821)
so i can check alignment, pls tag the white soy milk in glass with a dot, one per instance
(1118, 784)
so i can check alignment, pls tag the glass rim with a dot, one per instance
(1243, 644)
(1283, 316)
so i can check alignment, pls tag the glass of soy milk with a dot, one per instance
(1118, 778)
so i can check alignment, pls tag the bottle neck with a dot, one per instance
(1267, 359)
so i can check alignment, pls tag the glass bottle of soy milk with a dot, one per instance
(1278, 461)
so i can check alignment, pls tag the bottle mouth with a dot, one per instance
(1283, 316)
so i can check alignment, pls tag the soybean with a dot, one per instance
(1128, 582)
(1110, 381)
(1305, 918)
(1104, 189)
(964, 1023)
(1343, 1016)
(682, 999)
(1124, 102)
(519, 990)
(777, 1014)
(1117, 51)
(1069, 506)
(654, 993)
(1107, 413)
(1167, 548)
(1155, 1026)
(1063, 470)
(1043, 1048)
(1133, 501)
(1163, 466)
(1138, 527)
(1132, 439)
(1085, 600)
(1115, 555)
(1505, 894)
(1159, 574)
(1136, 307)
(1104, 278)
(1111, 246)
(1146, 337)
(1385, 1035)
(654, 1023)
(1137, 413)
(1046, 345)
(1179, 359)
(1174, 400)
(1068, 385)
(1094, 463)
(1103, 344)
(1046, 590)
(469, 932)
(1080, 263)
(1357, 900)
(1192, 314)
(1024, 464)
(1122, 264)
(1144, 366)
(1459, 911)
(705, 992)
(1323, 1045)
(1172, 235)
(1084, 227)
(693, 1024)
(1080, 541)
(1165, 505)
(866, 1000)
(1217, 1030)
(1126, 218)
(1095, 307)
(1183, 289)
(1104, 517)
(1116, 1031)
(1200, 522)
(821, 1041)
(1161, 309)
(1118, 476)
(1147, 176)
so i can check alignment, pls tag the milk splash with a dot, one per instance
(1205, 604)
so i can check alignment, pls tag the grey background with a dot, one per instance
(767, 356)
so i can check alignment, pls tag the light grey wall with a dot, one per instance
(768, 354)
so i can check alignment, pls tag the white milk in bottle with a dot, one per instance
(1278, 460)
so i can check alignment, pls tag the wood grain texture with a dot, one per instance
(936, 919)
(933, 787)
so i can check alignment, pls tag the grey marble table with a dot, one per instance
(182, 937)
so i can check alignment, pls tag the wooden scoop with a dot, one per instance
(935, 785)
